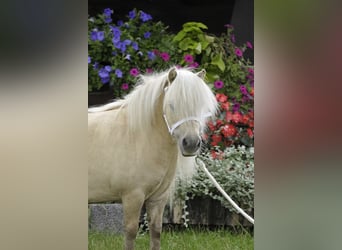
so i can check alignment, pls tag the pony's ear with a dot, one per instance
(172, 75)
(201, 74)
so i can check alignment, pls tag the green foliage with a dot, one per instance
(220, 57)
(137, 43)
(234, 172)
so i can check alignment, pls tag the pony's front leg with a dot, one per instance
(132, 204)
(155, 210)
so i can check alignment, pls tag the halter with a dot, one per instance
(180, 122)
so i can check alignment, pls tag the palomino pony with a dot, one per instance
(135, 145)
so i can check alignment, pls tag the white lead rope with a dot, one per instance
(249, 218)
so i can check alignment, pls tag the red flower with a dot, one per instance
(211, 126)
(229, 130)
(219, 123)
(237, 117)
(251, 124)
(221, 97)
(250, 132)
(229, 116)
(245, 119)
(156, 52)
(225, 106)
(216, 139)
(216, 155)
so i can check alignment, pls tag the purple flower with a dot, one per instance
(243, 90)
(105, 80)
(108, 20)
(249, 45)
(135, 46)
(100, 35)
(93, 35)
(107, 12)
(238, 52)
(118, 73)
(149, 70)
(165, 56)
(120, 45)
(96, 65)
(127, 42)
(125, 86)
(147, 34)
(108, 68)
(194, 65)
(229, 26)
(144, 16)
(116, 35)
(232, 37)
(151, 55)
(131, 14)
(103, 73)
(188, 58)
(120, 23)
(218, 84)
(134, 72)
(236, 107)
(89, 59)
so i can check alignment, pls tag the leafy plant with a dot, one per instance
(234, 172)
(119, 52)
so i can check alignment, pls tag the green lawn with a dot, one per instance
(178, 240)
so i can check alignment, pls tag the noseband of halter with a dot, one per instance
(180, 122)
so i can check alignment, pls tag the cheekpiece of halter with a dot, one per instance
(180, 122)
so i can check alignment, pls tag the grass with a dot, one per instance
(178, 240)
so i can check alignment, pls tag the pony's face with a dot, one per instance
(183, 115)
(187, 131)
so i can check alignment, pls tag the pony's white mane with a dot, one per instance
(188, 93)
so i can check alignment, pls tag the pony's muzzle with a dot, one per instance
(190, 145)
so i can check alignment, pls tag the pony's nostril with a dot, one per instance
(185, 142)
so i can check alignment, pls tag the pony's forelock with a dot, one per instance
(190, 95)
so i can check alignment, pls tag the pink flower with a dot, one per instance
(218, 84)
(149, 70)
(134, 72)
(124, 86)
(165, 56)
(194, 65)
(229, 26)
(188, 58)
(249, 45)
(238, 52)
